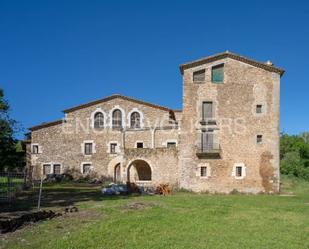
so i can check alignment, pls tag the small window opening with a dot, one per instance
(139, 145)
(203, 171)
(259, 109)
(217, 74)
(199, 76)
(259, 139)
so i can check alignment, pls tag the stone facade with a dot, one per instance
(244, 149)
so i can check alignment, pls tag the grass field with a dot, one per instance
(183, 220)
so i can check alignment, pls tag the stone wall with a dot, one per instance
(234, 102)
(63, 143)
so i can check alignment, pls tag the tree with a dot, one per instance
(294, 155)
(8, 154)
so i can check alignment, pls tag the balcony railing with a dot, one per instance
(208, 150)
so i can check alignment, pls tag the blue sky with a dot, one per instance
(57, 54)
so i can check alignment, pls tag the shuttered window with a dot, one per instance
(57, 169)
(207, 142)
(217, 74)
(199, 76)
(88, 148)
(46, 169)
(207, 111)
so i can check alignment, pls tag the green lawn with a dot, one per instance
(183, 220)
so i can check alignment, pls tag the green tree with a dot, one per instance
(294, 155)
(8, 156)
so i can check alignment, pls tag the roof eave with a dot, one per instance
(219, 56)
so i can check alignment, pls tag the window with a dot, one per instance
(135, 120)
(258, 108)
(207, 111)
(171, 144)
(86, 168)
(98, 120)
(203, 171)
(113, 147)
(171, 117)
(35, 149)
(259, 139)
(238, 171)
(57, 169)
(139, 145)
(46, 169)
(217, 74)
(207, 141)
(117, 119)
(199, 76)
(88, 148)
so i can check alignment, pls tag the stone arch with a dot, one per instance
(141, 117)
(139, 170)
(97, 110)
(112, 164)
(117, 107)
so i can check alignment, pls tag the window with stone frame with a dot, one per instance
(88, 150)
(113, 148)
(259, 109)
(207, 111)
(239, 171)
(99, 120)
(135, 120)
(199, 76)
(57, 169)
(117, 119)
(35, 149)
(259, 139)
(139, 145)
(217, 74)
(204, 172)
(86, 168)
(171, 144)
(46, 169)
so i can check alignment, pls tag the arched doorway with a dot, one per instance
(117, 173)
(139, 170)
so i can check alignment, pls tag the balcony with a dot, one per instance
(209, 150)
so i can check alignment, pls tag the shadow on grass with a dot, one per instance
(57, 196)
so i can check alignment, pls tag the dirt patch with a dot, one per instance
(9, 223)
(267, 171)
(139, 205)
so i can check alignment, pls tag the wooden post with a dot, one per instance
(40, 193)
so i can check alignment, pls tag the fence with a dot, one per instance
(10, 184)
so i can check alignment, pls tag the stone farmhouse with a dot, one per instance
(225, 138)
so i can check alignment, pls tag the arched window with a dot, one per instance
(135, 120)
(99, 120)
(117, 119)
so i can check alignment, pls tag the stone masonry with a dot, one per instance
(237, 150)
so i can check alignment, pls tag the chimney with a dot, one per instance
(269, 63)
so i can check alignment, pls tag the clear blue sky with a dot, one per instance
(57, 54)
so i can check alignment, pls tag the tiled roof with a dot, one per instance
(98, 101)
(45, 124)
(227, 54)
